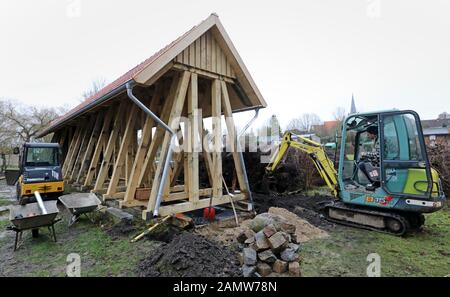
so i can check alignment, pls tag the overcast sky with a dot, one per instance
(305, 56)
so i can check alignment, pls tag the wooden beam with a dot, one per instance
(83, 146)
(217, 139)
(189, 206)
(147, 169)
(90, 147)
(174, 121)
(72, 140)
(207, 159)
(191, 172)
(184, 195)
(103, 172)
(122, 152)
(202, 72)
(99, 147)
(75, 151)
(232, 137)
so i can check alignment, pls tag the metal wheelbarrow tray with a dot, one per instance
(29, 216)
(80, 204)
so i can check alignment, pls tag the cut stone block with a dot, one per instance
(263, 269)
(294, 268)
(280, 266)
(262, 243)
(269, 231)
(248, 271)
(278, 242)
(249, 255)
(119, 215)
(267, 256)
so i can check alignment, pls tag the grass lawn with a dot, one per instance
(101, 254)
(344, 253)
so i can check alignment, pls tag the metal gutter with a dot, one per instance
(241, 157)
(173, 140)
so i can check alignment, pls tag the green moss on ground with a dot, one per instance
(4, 202)
(344, 253)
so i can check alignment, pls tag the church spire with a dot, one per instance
(353, 106)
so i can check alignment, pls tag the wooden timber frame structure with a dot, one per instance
(113, 148)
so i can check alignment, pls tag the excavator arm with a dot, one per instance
(315, 151)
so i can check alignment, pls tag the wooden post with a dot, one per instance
(75, 151)
(232, 136)
(103, 172)
(177, 107)
(121, 156)
(216, 114)
(83, 146)
(90, 147)
(191, 172)
(99, 147)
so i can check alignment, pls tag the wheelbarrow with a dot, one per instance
(80, 204)
(32, 217)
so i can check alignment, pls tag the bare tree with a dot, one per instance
(339, 114)
(96, 86)
(23, 123)
(304, 123)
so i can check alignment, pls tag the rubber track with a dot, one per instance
(341, 206)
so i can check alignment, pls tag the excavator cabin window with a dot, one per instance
(362, 153)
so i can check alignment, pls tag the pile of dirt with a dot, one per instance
(191, 255)
(304, 230)
(124, 228)
(306, 207)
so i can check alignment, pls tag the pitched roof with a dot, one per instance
(144, 71)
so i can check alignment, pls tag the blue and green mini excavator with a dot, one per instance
(384, 180)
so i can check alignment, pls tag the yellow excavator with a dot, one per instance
(384, 181)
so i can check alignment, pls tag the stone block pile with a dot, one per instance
(270, 247)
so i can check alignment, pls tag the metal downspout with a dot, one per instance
(241, 156)
(173, 139)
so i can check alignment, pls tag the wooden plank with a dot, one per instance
(203, 51)
(192, 54)
(232, 136)
(173, 123)
(90, 148)
(144, 144)
(103, 172)
(99, 147)
(191, 176)
(75, 151)
(72, 140)
(184, 195)
(213, 55)
(197, 53)
(207, 159)
(208, 51)
(189, 206)
(122, 152)
(186, 56)
(218, 59)
(217, 138)
(131, 154)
